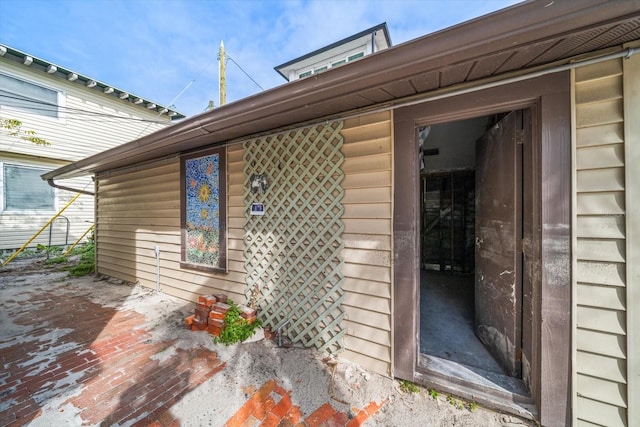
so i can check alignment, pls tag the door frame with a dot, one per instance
(549, 99)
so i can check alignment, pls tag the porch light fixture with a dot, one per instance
(108, 89)
(138, 101)
(151, 106)
(123, 95)
(27, 60)
(52, 69)
(91, 83)
(72, 77)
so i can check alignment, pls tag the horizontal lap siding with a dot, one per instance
(16, 228)
(140, 208)
(601, 365)
(367, 241)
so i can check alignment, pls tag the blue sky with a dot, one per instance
(156, 48)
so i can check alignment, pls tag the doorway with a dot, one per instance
(473, 290)
(545, 249)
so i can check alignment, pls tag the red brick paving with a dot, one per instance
(101, 354)
(271, 406)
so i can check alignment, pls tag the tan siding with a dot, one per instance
(367, 241)
(632, 177)
(140, 208)
(600, 247)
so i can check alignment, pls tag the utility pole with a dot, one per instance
(223, 79)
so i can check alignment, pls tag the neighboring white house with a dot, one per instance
(79, 116)
(339, 53)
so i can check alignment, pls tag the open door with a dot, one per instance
(498, 259)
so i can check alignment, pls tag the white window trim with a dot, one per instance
(329, 65)
(33, 212)
(62, 101)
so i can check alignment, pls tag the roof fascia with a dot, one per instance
(84, 79)
(517, 25)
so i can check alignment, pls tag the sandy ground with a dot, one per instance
(311, 377)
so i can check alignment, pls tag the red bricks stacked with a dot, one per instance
(210, 312)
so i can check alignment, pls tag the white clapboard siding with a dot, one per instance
(17, 227)
(91, 122)
(600, 247)
(140, 208)
(367, 240)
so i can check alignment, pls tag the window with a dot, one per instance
(338, 63)
(23, 189)
(356, 56)
(305, 74)
(320, 69)
(203, 210)
(32, 98)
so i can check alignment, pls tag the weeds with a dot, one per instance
(455, 402)
(236, 329)
(434, 394)
(408, 387)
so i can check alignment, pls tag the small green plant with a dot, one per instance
(236, 329)
(473, 406)
(434, 394)
(49, 250)
(455, 402)
(57, 260)
(86, 265)
(408, 387)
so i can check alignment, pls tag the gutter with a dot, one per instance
(307, 100)
(62, 187)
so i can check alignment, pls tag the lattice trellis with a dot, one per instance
(293, 253)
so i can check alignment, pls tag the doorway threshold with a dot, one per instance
(487, 388)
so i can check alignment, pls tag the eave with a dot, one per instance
(87, 82)
(529, 35)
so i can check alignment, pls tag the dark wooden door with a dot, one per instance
(498, 278)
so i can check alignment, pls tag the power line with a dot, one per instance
(68, 111)
(246, 74)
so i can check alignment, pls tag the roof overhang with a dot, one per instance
(88, 83)
(526, 36)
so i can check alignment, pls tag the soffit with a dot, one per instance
(515, 39)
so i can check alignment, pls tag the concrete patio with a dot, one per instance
(81, 351)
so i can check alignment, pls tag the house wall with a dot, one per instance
(140, 208)
(18, 227)
(85, 128)
(367, 240)
(605, 278)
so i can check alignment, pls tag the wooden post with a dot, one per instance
(223, 79)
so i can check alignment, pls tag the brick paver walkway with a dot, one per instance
(271, 406)
(121, 376)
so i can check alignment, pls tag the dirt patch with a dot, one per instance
(76, 351)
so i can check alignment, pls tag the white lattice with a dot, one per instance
(293, 252)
